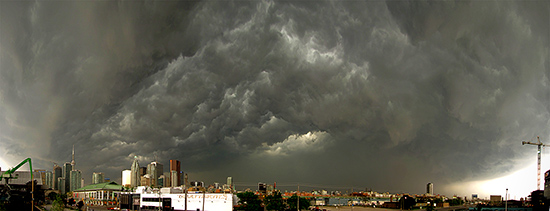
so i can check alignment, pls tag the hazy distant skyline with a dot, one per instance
(387, 95)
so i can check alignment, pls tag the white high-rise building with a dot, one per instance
(430, 189)
(126, 178)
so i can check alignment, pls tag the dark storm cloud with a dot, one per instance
(331, 92)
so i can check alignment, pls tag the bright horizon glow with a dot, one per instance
(3, 165)
(520, 183)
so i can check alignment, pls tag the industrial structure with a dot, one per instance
(17, 197)
(539, 145)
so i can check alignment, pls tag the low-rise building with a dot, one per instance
(106, 193)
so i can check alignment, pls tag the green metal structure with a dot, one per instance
(8, 174)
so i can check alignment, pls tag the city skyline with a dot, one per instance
(387, 95)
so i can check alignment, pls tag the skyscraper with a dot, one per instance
(57, 173)
(175, 166)
(127, 178)
(98, 177)
(135, 175)
(61, 185)
(186, 180)
(430, 189)
(49, 179)
(67, 168)
(142, 171)
(167, 180)
(174, 178)
(76, 180)
(230, 182)
(154, 169)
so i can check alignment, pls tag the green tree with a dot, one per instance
(58, 204)
(274, 202)
(52, 195)
(248, 201)
(293, 200)
(456, 202)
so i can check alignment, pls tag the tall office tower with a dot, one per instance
(430, 189)
(174, 178)
(167, 180)
(175, 165)
(61, 185)
(230, 182)
(126, 178)
(135, 176)
(154, 169)
(186, 180)
(72, 162)
(82, 182)
(98, 177)
(76, 180)
(49, 179)
(57, 173)
(67, 168)
(142, 171)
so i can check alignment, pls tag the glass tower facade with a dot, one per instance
(67, 168)
(57, 173)
(98, 177)
(76, 180)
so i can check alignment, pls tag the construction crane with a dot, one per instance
(8, 175)
(540, 145)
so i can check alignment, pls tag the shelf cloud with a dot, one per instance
(388, 95)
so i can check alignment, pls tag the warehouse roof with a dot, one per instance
(101, 186)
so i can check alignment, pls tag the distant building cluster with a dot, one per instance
(153, 175)
(64, 179)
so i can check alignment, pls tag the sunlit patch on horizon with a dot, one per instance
(520, 184)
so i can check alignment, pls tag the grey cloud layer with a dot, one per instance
(278, 90)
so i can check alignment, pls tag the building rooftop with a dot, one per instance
(101, 186)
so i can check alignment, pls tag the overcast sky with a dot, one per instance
(386, 95)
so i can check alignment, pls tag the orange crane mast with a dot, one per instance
(540, 145)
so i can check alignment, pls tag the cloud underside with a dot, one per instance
(371, 91)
